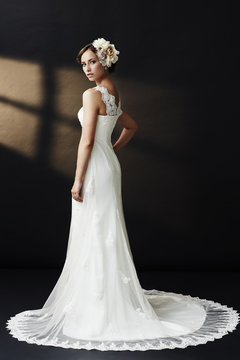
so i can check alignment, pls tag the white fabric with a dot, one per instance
(98, 302)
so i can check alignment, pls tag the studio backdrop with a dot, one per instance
(175, 77)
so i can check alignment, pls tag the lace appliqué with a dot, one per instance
(109, 100)
(90, 186)
(140, 312)
(110, 240)
(125, 278)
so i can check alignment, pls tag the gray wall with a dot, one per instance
(175, 76)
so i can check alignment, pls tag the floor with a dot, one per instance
(26, 289)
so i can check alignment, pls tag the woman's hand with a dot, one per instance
(77, 191)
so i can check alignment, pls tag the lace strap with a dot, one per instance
(109, 100)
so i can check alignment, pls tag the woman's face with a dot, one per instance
(91, 65)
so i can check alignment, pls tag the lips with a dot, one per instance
(89, 74)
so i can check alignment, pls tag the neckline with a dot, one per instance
(117, 106)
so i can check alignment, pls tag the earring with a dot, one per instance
(105, 67)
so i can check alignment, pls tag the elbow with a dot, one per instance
(88, 144)
(135, 126)
(135, 129)
(132, 129)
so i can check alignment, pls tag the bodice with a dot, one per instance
(105, 123)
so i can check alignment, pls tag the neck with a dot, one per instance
(106, 81)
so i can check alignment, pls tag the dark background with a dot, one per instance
(176, 76)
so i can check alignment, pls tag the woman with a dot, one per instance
(98, 302)
(94, 106)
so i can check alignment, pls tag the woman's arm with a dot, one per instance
(130, 127)
(90, 111)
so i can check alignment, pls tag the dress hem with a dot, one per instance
(220, 320)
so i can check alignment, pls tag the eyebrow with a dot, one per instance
(88, 60)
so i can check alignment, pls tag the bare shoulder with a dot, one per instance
(91, 97)
(90, 93)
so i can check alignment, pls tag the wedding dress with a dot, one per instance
(98, 302)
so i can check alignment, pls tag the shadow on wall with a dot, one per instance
(35, 213)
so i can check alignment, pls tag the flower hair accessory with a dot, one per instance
(106, 52)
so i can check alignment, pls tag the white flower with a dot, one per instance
(106, 52)
(101, 43)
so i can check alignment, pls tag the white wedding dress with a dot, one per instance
(98, 302)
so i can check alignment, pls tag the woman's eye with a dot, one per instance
(93, 61)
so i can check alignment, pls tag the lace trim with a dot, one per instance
(220, 320)
(109, 100)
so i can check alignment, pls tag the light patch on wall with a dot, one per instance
(69, 86)
(18, 130)
(21, 82)
(21, 96)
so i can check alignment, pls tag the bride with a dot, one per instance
(97, 301)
